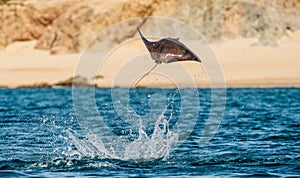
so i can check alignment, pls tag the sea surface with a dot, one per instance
(52, 132)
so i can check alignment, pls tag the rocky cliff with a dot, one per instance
(67, 26)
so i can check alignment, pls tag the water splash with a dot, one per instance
(144, 148)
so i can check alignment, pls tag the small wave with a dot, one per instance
(67, 163)
(278, 138)
(12, 173)
(256, 175)
(13, 164)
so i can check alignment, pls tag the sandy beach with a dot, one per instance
(244, 64)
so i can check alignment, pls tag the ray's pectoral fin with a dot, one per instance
(196, 58)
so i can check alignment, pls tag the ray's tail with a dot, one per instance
(145, 74)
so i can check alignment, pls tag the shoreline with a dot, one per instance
(161, 87)
(244, 65)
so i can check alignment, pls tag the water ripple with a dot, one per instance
(258, 136)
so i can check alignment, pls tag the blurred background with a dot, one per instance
(256, 41)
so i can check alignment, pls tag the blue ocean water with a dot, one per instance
(41, 135)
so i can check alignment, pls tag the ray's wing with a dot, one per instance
(173, 50)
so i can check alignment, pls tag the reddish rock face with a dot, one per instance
(68, 26)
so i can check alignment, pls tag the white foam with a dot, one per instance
(144, 148)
